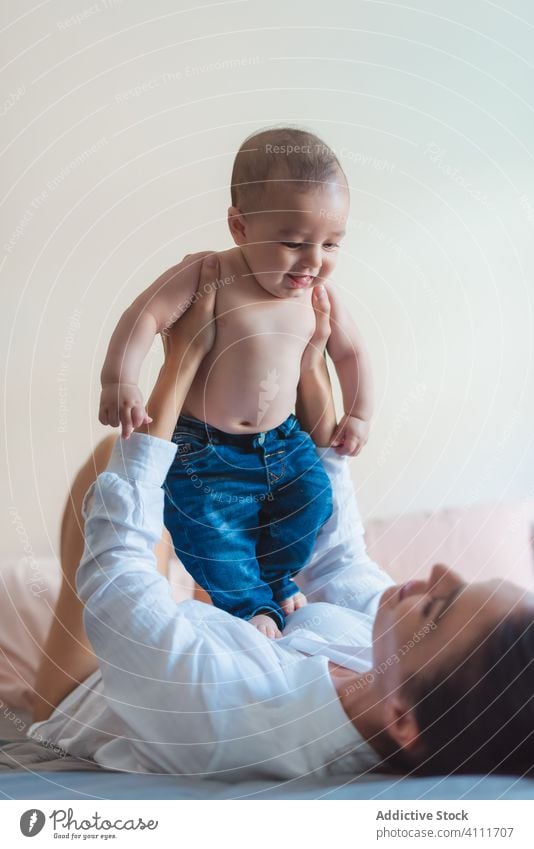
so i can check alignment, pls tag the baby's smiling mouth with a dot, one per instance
(300, 281)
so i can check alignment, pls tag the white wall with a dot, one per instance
(431, 111)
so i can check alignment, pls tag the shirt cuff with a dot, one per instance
(142, 458)
(333, 463)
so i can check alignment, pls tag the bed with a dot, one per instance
(28, 771)
(481, 542)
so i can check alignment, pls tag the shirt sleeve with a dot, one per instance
(128, 603)
(340, 570)
(197, 690)
(154, 655)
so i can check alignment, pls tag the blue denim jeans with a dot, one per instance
(243, 511)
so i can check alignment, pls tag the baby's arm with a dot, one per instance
(349, 355)
(152, 312)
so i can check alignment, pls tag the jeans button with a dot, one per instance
(261, 438)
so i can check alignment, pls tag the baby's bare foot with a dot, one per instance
(266, 625)
(289, 605)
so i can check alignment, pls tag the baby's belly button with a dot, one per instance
(249, 412)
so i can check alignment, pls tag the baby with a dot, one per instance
(247, 494)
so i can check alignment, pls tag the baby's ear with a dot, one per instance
(236, 224)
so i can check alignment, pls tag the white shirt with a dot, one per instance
(189, 689)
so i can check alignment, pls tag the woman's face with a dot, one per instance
(422, 626)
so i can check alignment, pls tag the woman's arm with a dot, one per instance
(315, 405)
(141, 637)
(131, 484)
(156, 308)
(340, 570)
(185, 344)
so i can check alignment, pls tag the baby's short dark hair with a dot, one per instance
(281, 154)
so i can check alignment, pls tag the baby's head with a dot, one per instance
(290, 203)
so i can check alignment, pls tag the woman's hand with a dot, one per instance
(313, 355)
(315, 405)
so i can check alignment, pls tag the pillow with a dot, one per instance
(29, 588)
(479, 542)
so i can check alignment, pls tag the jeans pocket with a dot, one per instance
(191, 446)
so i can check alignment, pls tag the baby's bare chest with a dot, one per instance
(263, 319)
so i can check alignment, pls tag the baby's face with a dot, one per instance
(292, 244)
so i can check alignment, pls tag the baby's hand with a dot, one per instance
(351, 435)
(266, 625)
(122, 404)
(294, 602)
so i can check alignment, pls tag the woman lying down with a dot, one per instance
(433, 676)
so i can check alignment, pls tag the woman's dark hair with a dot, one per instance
(478, 717)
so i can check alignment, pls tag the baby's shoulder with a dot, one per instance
(170, 294)
(231, 264)
(234, 286)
